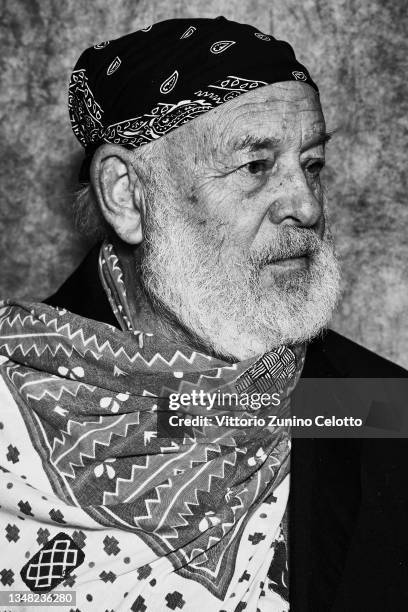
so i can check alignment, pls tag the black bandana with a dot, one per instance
(132, 90)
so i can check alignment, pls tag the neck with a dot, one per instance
(150, 315)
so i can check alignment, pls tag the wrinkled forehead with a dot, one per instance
(278, 111)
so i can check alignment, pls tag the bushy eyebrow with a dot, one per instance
(252, 143)
(321, 138)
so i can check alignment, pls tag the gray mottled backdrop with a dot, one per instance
(355, 51)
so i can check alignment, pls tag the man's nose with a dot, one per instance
(295, 203)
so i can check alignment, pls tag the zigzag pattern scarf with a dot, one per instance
(190, 523)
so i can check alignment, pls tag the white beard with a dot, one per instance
(216, 293)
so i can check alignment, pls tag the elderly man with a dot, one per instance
(204, 144)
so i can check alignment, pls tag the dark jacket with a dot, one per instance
(348, 505)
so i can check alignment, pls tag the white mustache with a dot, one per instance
(289, 243)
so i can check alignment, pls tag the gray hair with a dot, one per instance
(87, 215)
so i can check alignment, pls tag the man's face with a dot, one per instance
(235, 241)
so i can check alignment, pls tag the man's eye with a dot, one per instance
(315, 167)
(256, 167)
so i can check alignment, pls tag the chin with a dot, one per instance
(295, 324)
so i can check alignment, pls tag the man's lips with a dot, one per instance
(292, 263)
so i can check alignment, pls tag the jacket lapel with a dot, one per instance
(323, 505)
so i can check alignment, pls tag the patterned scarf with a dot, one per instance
(168, 521)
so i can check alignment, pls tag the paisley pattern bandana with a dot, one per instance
(139, 87)
(172, 522)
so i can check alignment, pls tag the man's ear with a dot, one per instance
(119, 191)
